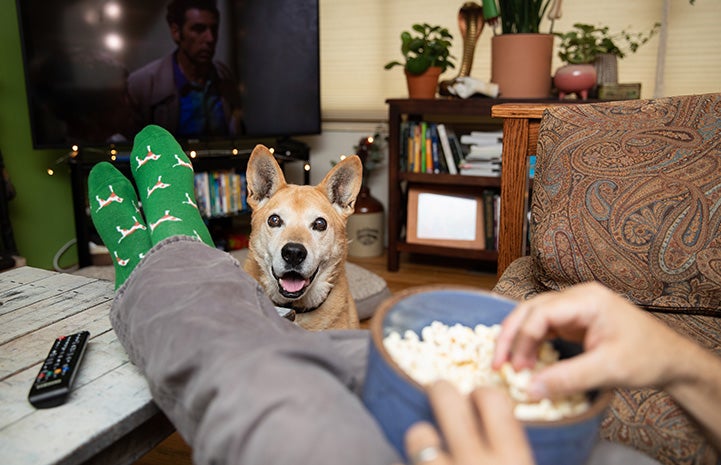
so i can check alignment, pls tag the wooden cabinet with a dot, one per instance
(456, 113)
(464, 115)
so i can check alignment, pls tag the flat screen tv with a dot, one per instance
(78, 55)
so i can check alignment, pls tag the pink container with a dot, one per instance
(578, 79)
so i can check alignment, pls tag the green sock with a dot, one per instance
(117, 218)
(165, 180)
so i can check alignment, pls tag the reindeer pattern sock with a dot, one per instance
(116, 214)
(165, 180)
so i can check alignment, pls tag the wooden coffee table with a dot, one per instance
(109, 417)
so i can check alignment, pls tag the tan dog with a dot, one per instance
(298, 243)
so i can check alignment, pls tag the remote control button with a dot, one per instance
(52, 385)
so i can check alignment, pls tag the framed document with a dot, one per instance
(443, 218)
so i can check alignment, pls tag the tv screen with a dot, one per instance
(98, 71)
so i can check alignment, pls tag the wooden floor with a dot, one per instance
(414, 271)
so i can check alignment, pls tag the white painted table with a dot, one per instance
(109, 417)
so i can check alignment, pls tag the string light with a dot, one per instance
(74, 151)
(112, 10)
(114, 42)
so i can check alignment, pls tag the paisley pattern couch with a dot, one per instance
(629, 194)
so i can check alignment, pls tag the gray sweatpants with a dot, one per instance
(241, 384)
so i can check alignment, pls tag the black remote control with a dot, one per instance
(52, 384)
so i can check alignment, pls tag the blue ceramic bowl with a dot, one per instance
(397, 401)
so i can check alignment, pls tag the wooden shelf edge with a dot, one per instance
(475, 254)
(452, 179)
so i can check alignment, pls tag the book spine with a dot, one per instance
(423, 129)
(417, 148)
(446, 148)
(456, 147)
(434, 149)
(489, 219)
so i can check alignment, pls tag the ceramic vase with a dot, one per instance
(423, 86)
(521, 64)
(606, 65)
(365, 226)
(578, 79)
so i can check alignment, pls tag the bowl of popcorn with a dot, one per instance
(432, 332)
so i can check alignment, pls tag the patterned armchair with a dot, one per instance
(629, 194)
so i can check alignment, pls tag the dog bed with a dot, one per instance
(367, 288)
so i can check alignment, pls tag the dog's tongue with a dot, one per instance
(292, 284)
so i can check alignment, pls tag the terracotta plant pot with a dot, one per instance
(578, 79)
(423, 85)
(521, 64)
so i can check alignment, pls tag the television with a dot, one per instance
(78, 55)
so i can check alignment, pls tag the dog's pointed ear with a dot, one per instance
(263, 176)
(342, 184)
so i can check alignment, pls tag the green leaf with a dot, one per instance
(418, 65)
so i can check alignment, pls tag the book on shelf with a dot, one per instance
(422, 149)
(220, 193)
(456, 146)
(488, 173)
(489, 218)
(482, 138)
(452, 168)
(490, 168)
(483, 145)
(428, 147)
(485, 152)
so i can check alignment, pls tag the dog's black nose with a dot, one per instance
(293, 253)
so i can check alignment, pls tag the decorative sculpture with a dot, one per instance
(470, 22)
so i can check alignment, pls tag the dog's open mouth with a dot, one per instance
(292, 284)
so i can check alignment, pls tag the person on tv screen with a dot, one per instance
(188, 92)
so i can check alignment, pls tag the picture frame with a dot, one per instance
(445, 218)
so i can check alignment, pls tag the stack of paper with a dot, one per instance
(483, 157)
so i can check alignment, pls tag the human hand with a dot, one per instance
(623, 345)
(479, 428)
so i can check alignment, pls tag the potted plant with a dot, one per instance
(588, 47)
(585, 42)
(521, 54)
(522, 16)
(426, 50)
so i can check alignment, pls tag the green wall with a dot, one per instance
(41, 213)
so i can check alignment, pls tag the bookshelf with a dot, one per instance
(226, 221)
(464, 116)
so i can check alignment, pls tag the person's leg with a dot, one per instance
(241, 384)
(115, 212)
(165, 180)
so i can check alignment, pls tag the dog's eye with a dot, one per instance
(274, 221)
(320, 224)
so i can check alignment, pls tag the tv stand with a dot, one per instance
(288, 148)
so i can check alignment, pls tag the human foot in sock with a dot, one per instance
(117, 218)
(165, 180)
